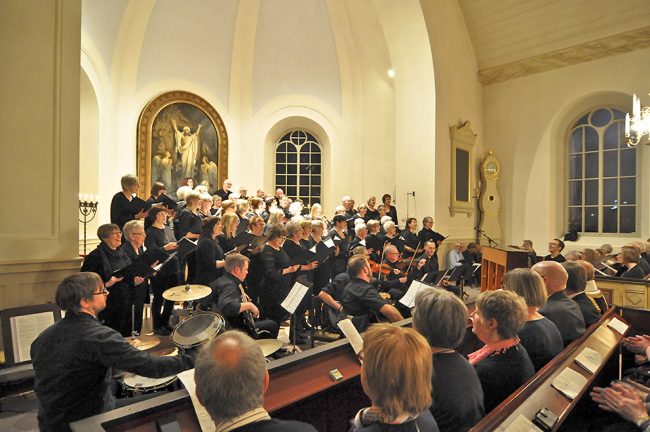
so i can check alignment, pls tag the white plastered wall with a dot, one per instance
(528, 122)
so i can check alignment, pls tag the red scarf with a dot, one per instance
(492, 349)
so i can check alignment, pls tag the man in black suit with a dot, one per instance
(231, 380)
(560, 309)
(575, 290)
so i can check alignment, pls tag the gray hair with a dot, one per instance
(293, 228)
(572, 255)
(181, 192)
(359, 227)
(77, 287)
(104, 231)
(385, 219)
(128, 180)
(441, 317)
(388, 224)
(506, 307)
(130, 226)
(229, 375)
(317, 224)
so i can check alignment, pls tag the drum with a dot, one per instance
(198, 329)
(135, 385)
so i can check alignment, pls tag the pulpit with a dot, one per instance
(496, 262)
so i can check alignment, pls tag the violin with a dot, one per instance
(385, 269)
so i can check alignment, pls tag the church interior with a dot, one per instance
(390, 89)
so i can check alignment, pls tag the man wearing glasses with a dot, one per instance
(555, 247)
(72, 358)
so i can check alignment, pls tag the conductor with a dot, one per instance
(72, 358)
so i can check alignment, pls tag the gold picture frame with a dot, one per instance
(181, 135)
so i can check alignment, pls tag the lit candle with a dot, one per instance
(627, 124)
(79, 197)
(636, 107)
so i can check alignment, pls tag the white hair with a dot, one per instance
(359, 227)
(385, 219)
(181, 192)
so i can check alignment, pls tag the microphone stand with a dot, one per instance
(490, 241)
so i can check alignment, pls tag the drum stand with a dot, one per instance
(293, 328)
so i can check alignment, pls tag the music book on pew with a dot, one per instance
(408, 299)
(618, 325)
(352, 334)
(185, 247)
(205, 421)
(25, 329)
(569, 383)
(589, 359)
(295, 296)
(521, 424)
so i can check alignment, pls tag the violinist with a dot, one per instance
(396, 282)
(233, 302)
(410, 238)
(426, 265)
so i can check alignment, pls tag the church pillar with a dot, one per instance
(39, 167)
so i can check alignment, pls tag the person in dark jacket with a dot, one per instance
(72, 358)
(575, 290)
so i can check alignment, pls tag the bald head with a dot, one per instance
(554, 275)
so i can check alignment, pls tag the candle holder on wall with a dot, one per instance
(88, 210)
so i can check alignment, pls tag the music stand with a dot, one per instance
(290, 304)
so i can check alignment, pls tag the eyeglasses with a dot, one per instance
(138, 233)
(103, 291)
(116, 233)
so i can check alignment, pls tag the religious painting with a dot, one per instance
(181, 137)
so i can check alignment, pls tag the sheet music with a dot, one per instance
(589, 359)
(205, 421)
(618, 325)
(569, 383)
(408, 299)
(350, 332)
(25, 329)
(363, 243)
(521, 424)
(329, 243)
(313, 249)
(295, 296)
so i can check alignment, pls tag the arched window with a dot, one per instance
(602, 175)
(298, 166)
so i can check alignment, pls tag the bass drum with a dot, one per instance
(198, 329)
(136, 385)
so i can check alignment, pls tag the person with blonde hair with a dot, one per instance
(539, 335)
(226, 239)
(396, 375)
(502, 364)
(441, 317)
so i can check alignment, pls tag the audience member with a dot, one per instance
(575, 290)
(539, 335)
(457, 394)
(591, 289)
(555, 248)
(231, 379)
(560, 309)
(396, 375)
(629, 259)
(455, 256)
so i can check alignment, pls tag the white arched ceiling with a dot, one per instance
(295, 53)
(100, 20)
(189, 41)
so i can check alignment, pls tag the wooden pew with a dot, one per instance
(537, 392)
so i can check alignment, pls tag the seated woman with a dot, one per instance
(540, 336)
(629, 260)
(502, 364)
(457, 395)
(396, 376)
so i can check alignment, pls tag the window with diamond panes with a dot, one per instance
(298, 166)
(602, 175)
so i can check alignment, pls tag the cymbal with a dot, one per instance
(269, 346)
(143, 342)
(187, 292)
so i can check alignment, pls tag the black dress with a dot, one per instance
(275, 286)
(137, 293)
(339, 263)
(206, 255)
(120, 211)
(166, 278)
(411, 240)
(104, 261)
(542, 340)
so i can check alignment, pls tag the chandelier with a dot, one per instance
(638, 125)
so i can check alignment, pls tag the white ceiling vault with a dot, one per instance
(517, 37)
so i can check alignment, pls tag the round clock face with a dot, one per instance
(491, 168)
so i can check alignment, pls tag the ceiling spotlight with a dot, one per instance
(391, 73)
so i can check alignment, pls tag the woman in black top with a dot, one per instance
(390, 210)
(502, 364)
(121, 211)
(166, 277)
(339, 262)
(629, 258)
(227, 239)
(278, 274)
(410, 236)
(208, 256)
(138, 292)
(322, 273)
(441, 317)
(539, 335)
(188, 225)
(106, 259)
(372, 212)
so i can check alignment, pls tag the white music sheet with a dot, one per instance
(569, 383)
(589, 359)
(205, 421)
(618, 325)
(408, 299)
(295, 296)
(350, 332)
(521, 424)
(329, 243)
(25, 329)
